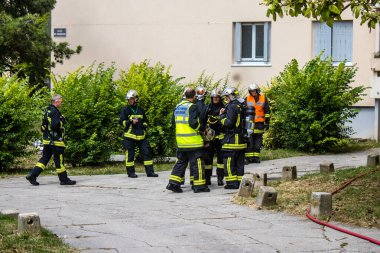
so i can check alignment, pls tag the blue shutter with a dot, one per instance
(237, 42)
(322, 39)
(342, 41)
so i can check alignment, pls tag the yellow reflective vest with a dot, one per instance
(186, 136)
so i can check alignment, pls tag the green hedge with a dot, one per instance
(91, 106)
(311, 105)
(20, 116)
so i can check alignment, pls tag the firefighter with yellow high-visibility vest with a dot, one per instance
(54, 143)
(257, 107)
(233, 144)
(135, 123)
(189, 145)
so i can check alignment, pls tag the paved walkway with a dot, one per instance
(114, 213)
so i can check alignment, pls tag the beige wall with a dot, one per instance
(192, 36)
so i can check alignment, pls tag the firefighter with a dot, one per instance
(189, 145)
(53, 143)
(215, 144)
(135, 123)
(233, 144)
(258, 109)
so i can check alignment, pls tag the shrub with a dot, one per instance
(20, 116)
(159, 93)
(91, 107)
(311, 105)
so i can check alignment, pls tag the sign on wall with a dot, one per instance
(59, 32)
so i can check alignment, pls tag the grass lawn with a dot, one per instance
(11, 241)
(357, 204)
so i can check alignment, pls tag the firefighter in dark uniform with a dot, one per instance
(258, 109)
(214, 146)
(135, 123)
(53, 141)
(200, 95)
(233, 144)
(189, 145)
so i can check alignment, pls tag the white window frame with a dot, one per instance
(330, 41)
(238, 43)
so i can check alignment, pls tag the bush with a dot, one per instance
(20, 116)
(310, 106)
(159, 93)
(91, 106)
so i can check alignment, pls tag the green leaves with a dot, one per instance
(310, 106)
(325, 11)
(20, 115)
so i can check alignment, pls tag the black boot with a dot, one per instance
(255, 160)
(65, 180)
(174, 188)
(220, 174)
(198, 189)
(208, 174)
(232, 186)
(150, 171)
(131, 172)
(32, 177)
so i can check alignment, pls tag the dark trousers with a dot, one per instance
(255, 141)
(47, 153)
(144, 147)
(195, 158)
(214, 147)
(233, 166)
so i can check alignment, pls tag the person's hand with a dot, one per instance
(223, 110)
(135, 121)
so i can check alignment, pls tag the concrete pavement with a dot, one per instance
(114, 213)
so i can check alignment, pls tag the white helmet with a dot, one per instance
(200, 92)
(216, 93)
(231, 92)
(132, 94)
(253, 86)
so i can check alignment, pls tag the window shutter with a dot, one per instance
(322, 39)
(237, 42)
(266, 41)
(342, 41)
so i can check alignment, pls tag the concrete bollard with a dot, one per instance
(246, 187)
(326, 167)
(267, 196)
(289, 172)
(372, 160)
(321, 204)
(29, 222)
(260, 180)
(10, 212)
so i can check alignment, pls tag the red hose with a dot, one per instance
(341, 229)
(336, 227)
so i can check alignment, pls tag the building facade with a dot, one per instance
(218, 37)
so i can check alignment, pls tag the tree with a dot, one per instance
(326, 11)
(25, 42)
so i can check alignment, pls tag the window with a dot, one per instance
(251, 42)
(336, 41)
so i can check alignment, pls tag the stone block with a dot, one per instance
(289, 172)
(260, 180)
(29, 222)
(267, 196)
(326, 167)
(372, 160)
(10, 212)
(321, 204)
(246, 186)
